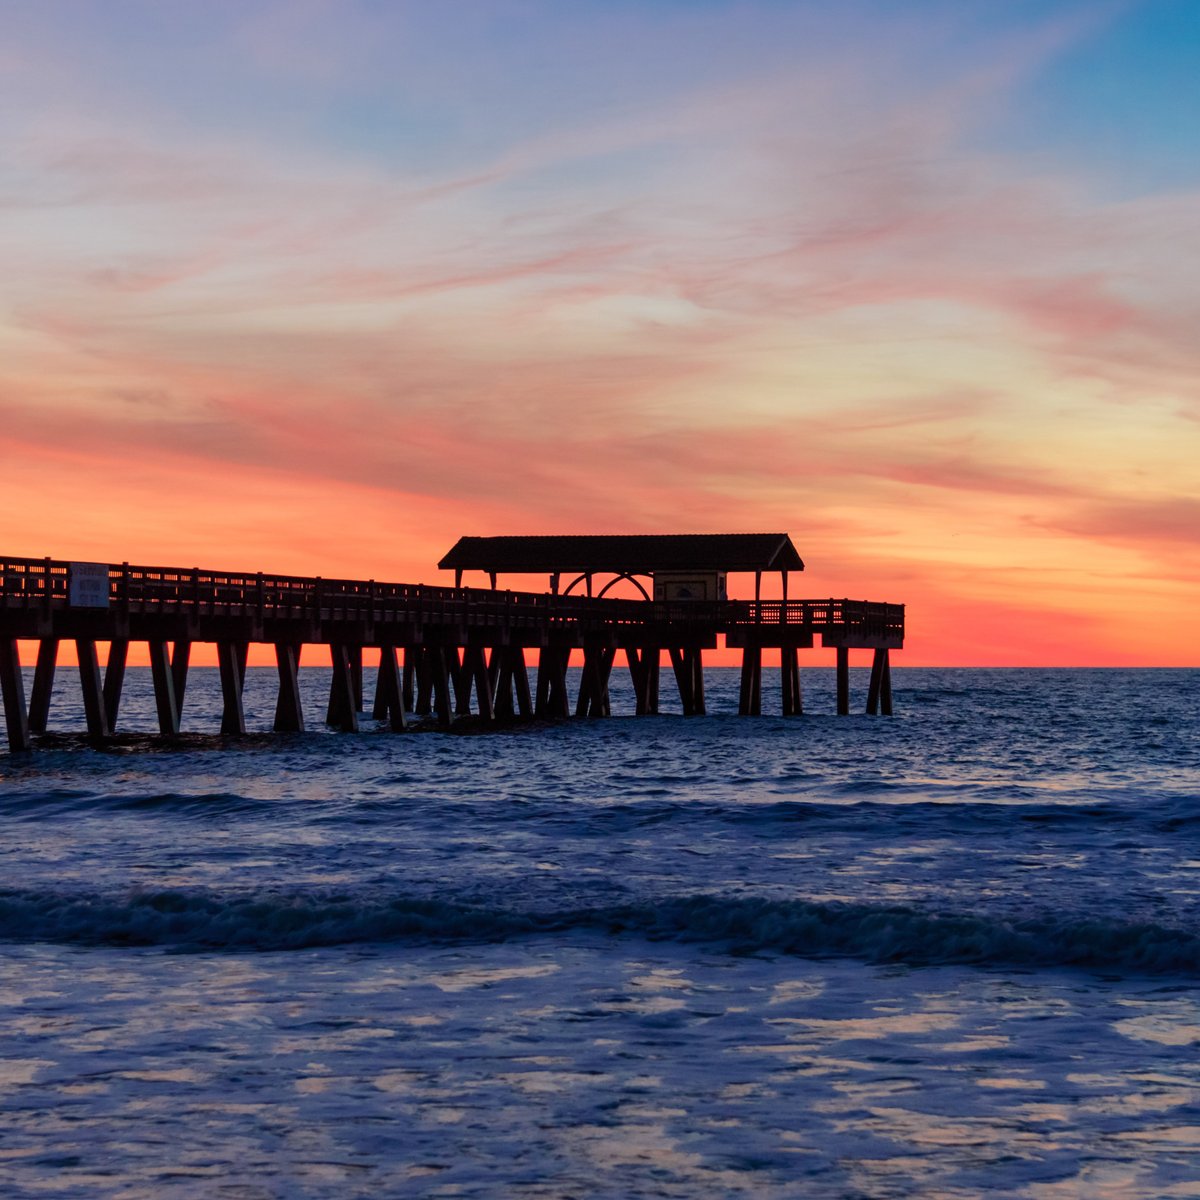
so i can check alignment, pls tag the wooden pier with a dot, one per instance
(445, 652)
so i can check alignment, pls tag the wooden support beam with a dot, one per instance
(593, 698)
(233, 718)
(885, 685)
(423, 668)
(500, 671)
(355, 654)
(379, 706)
(789, 676)
(181, 654)
(493, 668)
(164, 688)
(114, 680)
(588, 684)
(441, 685)
(460, 681)
(698, 681)
(688, 665)
(93, 688)
(750, 691)
(341, 701)
(341, 713)
(230, 657)
(552, 698)
(843, 681)
(475, 668)
(643, 670)
(604, 661)
(683, 679)
(389, 693)
(876, 681)
(289, 712)
(541, 692)
(560, 693)
(43, 684)
(508, 668)
(790, 682)
(633, 659)
(520, 676)
(408, 688)
(12, 686)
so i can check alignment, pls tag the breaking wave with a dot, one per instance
(182, 920)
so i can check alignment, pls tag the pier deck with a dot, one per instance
(463, 649)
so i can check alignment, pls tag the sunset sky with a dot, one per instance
(318, 287)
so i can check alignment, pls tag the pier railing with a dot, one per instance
(44, 583)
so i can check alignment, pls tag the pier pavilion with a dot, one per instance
(445, 652)
(680, 566)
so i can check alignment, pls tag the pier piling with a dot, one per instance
(94, 706)
(43, 685)
(12, 686)
(165, 704)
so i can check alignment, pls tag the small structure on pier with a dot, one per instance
(680, 566)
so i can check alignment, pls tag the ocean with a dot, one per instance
(946, 954)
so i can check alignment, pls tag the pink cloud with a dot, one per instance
(1164, 527)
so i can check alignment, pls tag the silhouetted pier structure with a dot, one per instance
(445, 652)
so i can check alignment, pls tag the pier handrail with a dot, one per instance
(33, 583)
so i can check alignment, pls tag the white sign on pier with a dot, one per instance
(87, 585)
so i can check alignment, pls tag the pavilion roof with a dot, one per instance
(633, 554)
